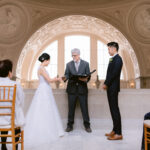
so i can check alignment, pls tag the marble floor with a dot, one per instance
(79, 139)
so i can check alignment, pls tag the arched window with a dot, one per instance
(52, 50)
(103, 60)
(77, 41)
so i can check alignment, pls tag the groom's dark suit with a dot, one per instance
(77, 89)
(113, 83)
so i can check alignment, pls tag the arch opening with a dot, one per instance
(58, 29)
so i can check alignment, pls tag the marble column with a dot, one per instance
(142, 82)
(93, 56)
(61, 53)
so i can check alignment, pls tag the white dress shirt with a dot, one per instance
(114, 55)
(19, 114)
(77, 64)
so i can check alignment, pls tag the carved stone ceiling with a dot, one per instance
(76, 23)
(77, 3)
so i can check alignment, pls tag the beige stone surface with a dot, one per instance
(133, 103)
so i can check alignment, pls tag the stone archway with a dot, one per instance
(73, 24)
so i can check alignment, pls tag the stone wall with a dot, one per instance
(133, 103)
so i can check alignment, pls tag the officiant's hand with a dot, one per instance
(105, 87)
(84, 79)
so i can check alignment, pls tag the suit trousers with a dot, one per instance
(114, 110)
(4, 139)
(83, 100)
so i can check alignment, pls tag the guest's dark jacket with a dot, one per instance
(76, 86)
(113, 73)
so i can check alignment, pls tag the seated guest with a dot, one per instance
(146, 117)
(5, 80)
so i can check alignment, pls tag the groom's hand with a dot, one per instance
(63, 78)
(105, 87)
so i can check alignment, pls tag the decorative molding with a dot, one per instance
(13, 22)
(139, 22)
(74, 4)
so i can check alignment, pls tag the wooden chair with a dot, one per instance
(147, 133)
(7, 108)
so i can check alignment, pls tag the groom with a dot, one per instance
(112, 85)
(77, 89)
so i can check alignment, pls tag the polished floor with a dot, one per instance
(79, 139)
(133, 105)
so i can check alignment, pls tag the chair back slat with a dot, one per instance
(8, 93)
(7, 102)
(5, 114)
(4, 93)
(5, 107)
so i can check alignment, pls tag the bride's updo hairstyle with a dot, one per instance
(44, 57)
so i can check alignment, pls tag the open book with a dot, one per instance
(83, 75)
(76, 77)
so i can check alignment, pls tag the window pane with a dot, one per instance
(103, 60)
(77, 41)
(52, 50)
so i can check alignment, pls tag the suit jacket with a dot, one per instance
(113, 74)
(76, 86)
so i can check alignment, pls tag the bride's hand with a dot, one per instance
(57, 79)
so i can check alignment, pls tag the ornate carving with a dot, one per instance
(8, 21)
(139, 22)
(77, 3)
(143, 22)
(12, 23)
(76, 23)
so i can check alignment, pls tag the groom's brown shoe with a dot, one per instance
(115, 137)
(110, 134)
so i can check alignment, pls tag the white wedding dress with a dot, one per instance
(43, 123)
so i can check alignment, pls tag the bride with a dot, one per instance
(43, 123)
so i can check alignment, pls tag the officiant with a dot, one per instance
(77, 89)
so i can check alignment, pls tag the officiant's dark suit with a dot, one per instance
(113, 83)
(77, 90)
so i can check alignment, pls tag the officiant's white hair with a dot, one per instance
(75, 50)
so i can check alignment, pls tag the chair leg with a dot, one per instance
(17, 131)
(22, 140)
(13, 140)
(13, 144)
